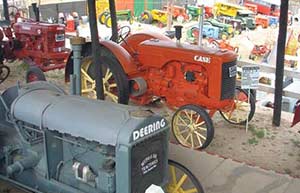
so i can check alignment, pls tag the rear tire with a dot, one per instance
(35, 74)
(115, 82)
(241, 101)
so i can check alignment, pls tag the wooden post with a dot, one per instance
(114, 23)
(96, 48)
(280, 61)
(5, 10)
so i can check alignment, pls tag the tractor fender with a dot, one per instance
(133, 41)
(118, 51)
(121, 55)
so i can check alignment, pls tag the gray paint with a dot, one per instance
(72, 129)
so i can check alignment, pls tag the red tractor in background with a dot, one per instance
(296, 118)
(178, 13)
(194, 81)
(222, 44)
(41, 45)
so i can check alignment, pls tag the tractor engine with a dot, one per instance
(43, 43)
(51, 142)
(186, 74)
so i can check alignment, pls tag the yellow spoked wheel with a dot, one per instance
(240, 109)
(146, 17)
(181, 180)
(192, 127)
(102, 17)
(115, 83)
(108, 21)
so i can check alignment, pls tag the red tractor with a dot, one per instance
(178, 13)
(258, 51)
(222, 44)
(296, 118)
(194, 81)
(41, 45)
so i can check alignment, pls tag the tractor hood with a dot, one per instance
(163, 52)
(77, 116)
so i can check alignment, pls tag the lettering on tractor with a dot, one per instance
(148, 67)
(149, 129)
(202, 59)
(72, 144)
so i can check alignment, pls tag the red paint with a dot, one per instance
(263, 7)
(39, 44)
(125, 4)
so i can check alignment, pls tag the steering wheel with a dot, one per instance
(123, 33)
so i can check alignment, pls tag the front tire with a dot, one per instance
(182, 180)
(192, 127)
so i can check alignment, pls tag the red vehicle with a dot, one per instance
(258, 51)
(178, 12)
(251, 7)
(262, 20)
(222, 44)
(196, 82)
(41, 45)
(266, 7)
(296, 114)
(208, 12)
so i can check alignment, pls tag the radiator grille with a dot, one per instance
(148, 163)
(228, 80)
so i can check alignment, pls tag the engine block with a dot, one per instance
(52, 142)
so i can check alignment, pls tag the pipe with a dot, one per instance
(77, 43)
(201, 18)
(19, 166)
(36, 11)
(5, 10)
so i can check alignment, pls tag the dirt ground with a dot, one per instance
(274, 148)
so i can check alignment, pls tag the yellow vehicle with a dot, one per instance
(154, 15)
(101, 6)
(235, 11)
(227, 9)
